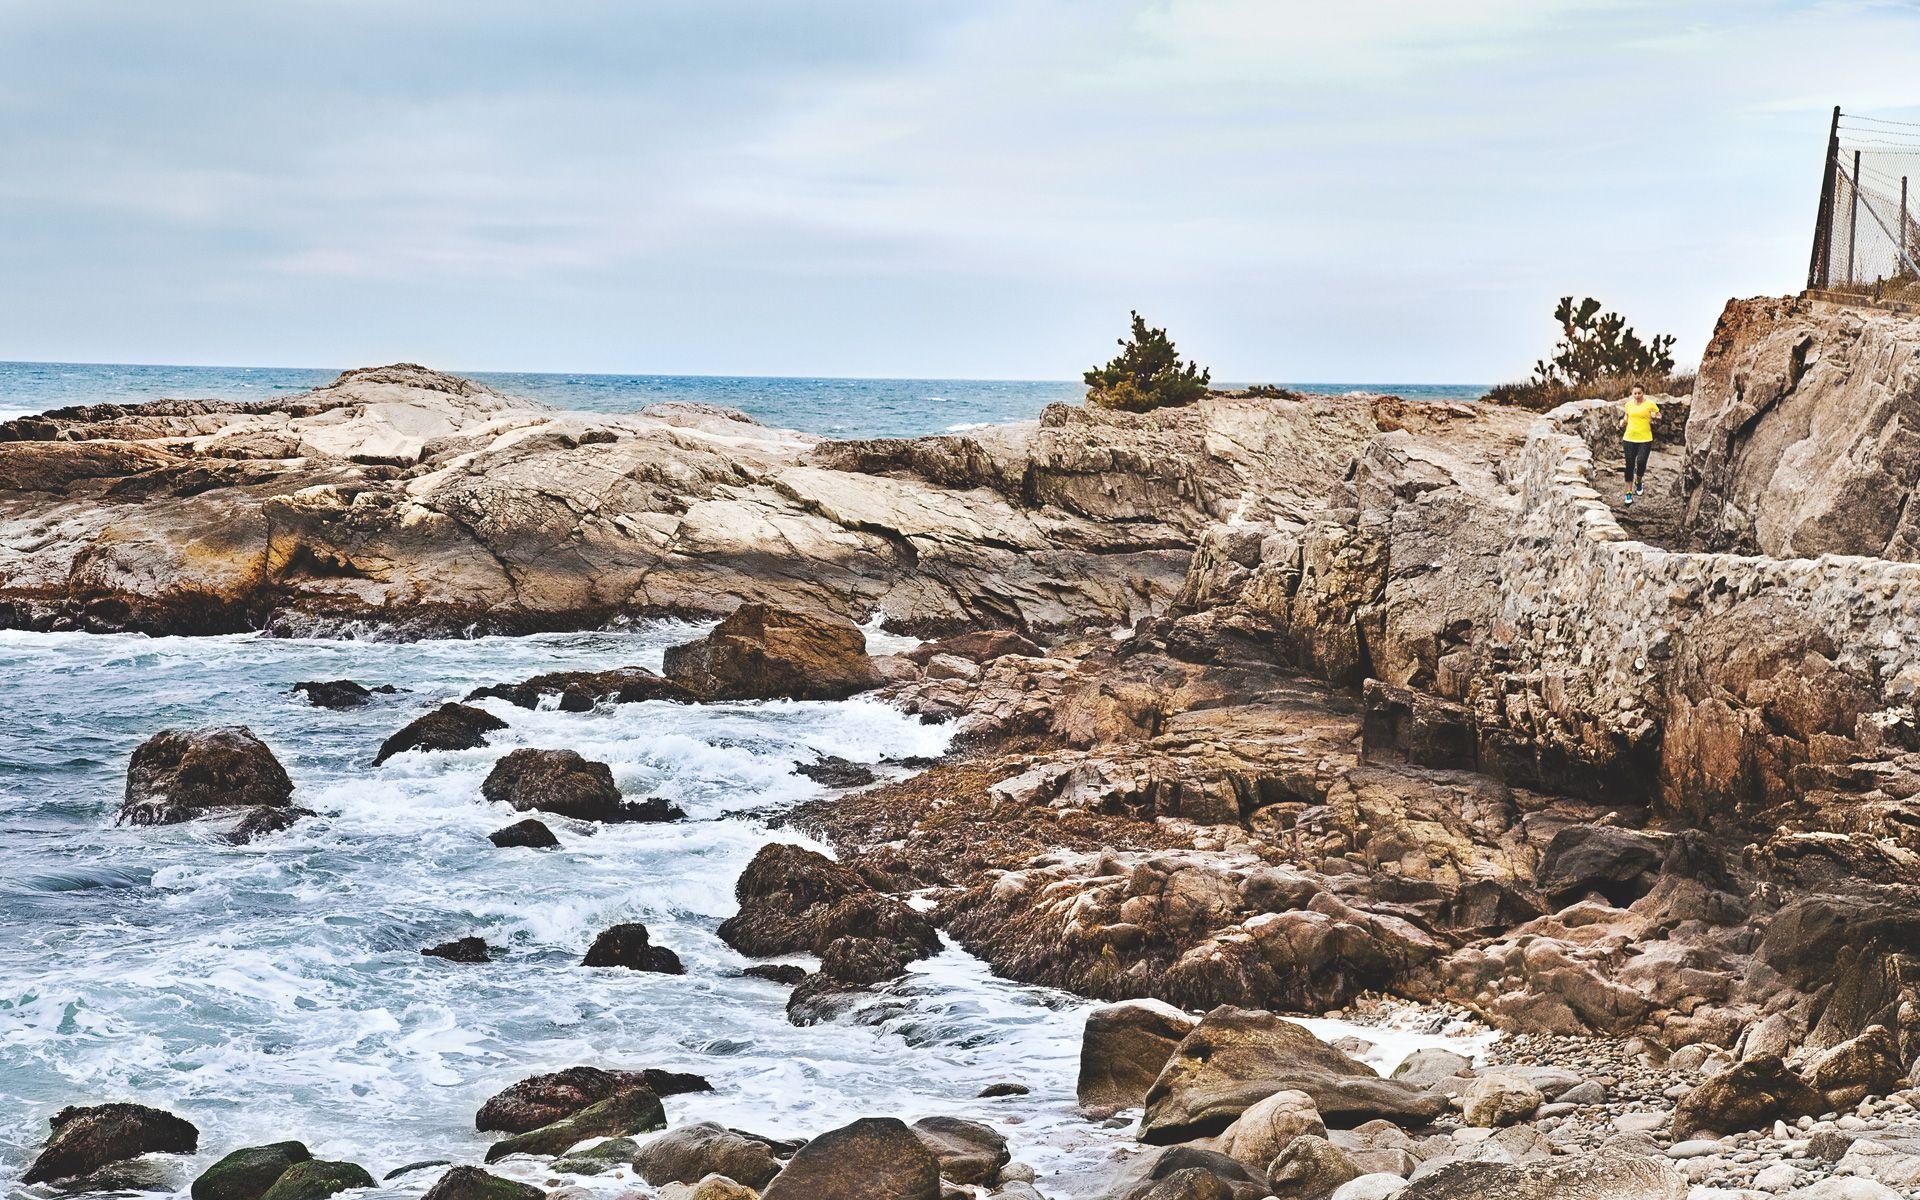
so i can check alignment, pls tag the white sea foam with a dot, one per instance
(277, 990)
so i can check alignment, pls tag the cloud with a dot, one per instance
(1380, 190)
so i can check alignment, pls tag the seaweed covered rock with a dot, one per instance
(630, 1110)
(765, 653)
(179, 774)
(246, 1174)
(567, 785)
(693, 1152)
(543, 1099)
(580, 691)
(630, 946)
(84, 1139)
(316, 1179)
(472, 1183)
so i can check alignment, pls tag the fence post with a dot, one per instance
(1853, 217)
(1902, 264)
(1818, 269)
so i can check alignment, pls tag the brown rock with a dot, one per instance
(85, 1139)
(1123, 1049)
(629, 946)
(629, 1110)
(565, 784)
(178, 774)
(764, 653)
(874, 1158)
(969, 1152)
(543, 1099)
(1868, 1065)
(449, 727)
(1749, 1095)
(580, 691)
(693, 1152)
(471, 1183)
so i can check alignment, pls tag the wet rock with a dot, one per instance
(598, 1158)
(339, 693)
(628, 1111)
(1497, 1099)
(531, 833)
(1124, 1048)
(1603, 1176)
(765, 653)
(1270, 1126)
(1867, 1065)
(247, 1174)
(449, 727)
(580, 691)
(874, 1158)
(837, 772)
(1617, 863)
(263, 821)
(786, 973)
(969, 1152)
(629, 946)
(178, 774)
(84, 1139)
(1185, 1166)
(1309, 1168)
(461, 950)
(1749, 1095)
(693, 1152)
(410, 1168)
(316, 1179)
(1237, 1057)
(994, 1091)
(793, 900)
(543, 1099)
(565, 784)
(472, 1183)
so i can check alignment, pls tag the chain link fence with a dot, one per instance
(1866, 242)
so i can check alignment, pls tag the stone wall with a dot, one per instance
(1711, 682)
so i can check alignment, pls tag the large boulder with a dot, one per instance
(543, 1099)
(1123, 1049)
(693, 1152)
(874, 1158)
(567, 785)
(1867, 1065)
(764, 653)
(316, 1179)
(629, 946)
(796, 901)
(179, 774)
(1603, 1176)
(969, 1152)
(247, 1174)
(531, 833)
(1498, 1099)
(630, 1110)
(472, 1183)
(580, 691)
(85, 1139)
(339, 693)
(1748, 1095)
(1237, 1057)
(449, 727)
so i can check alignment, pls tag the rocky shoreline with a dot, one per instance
(1264, 705)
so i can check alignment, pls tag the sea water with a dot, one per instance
(830, 407)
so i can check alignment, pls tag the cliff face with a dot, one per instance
(416, 500)
(1805, 433)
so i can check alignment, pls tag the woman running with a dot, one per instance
(1637, 439)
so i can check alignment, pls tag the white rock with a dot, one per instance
(1377, 1186)
(1695, 1148)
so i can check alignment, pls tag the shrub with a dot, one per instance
(1146, 374)
(1599, 355)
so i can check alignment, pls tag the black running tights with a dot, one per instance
(1637, 461)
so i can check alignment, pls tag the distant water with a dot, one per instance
(833, 407)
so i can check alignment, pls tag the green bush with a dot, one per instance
(1598, 355)
(1146, 374)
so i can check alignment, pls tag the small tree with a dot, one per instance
(1596, 346)
(1146, 374)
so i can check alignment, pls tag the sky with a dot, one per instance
(1373, 191)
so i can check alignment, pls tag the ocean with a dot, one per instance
(830, 407)
(277, 991)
